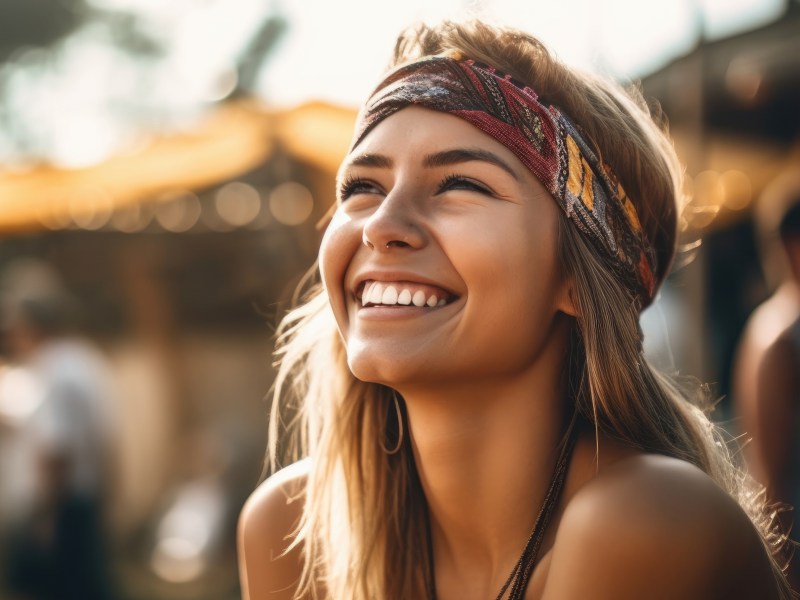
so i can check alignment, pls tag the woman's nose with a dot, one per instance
(393, 225)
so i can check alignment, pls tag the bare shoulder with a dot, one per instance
(656, 527)
(268, 568)
(781, 353)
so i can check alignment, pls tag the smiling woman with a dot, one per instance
(478, 418)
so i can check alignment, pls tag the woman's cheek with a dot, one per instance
(339, 244)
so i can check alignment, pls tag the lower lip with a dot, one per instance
(399, 311)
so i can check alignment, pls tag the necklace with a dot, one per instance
(520, 576)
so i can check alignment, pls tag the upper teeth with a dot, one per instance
(391, 294)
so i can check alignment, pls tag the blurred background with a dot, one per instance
(163, 166)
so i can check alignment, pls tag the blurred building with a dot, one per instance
(732, 108)
(182, 256)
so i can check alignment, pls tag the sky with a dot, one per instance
(88, 98)
(335, 50)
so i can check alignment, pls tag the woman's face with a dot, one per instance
(440, 261)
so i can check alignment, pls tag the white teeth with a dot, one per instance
(389, 295)
(376, 293)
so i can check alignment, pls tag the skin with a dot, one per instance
(481, 378)
(764, 335)
(777, 413)
(766, 388)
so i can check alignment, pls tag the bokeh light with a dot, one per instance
(237, 203)
(737, 188)
(178, 213)
(291, 203)
(132, 218)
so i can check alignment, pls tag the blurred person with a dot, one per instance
(56, 547)
(767, 366)
(477, 414)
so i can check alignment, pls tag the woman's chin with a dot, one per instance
(392, 371)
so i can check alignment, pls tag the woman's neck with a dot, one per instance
(485, 452)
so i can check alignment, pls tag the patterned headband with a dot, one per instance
(543, 138)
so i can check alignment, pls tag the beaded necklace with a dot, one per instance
(520, 576)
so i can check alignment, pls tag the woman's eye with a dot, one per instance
(352, 186)
(459, 182)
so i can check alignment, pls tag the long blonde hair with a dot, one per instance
(364, 508)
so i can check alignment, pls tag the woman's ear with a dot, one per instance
(566, 299)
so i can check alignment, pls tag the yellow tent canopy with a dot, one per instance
(235, 138)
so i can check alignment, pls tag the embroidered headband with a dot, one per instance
(542, 138)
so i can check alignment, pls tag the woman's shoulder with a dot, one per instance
(281, 488)
(270, 566)
(650, 526)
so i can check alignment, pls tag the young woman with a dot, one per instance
(468, 379)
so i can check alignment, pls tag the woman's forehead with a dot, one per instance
(420, 133)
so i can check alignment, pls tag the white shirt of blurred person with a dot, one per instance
(57, 395)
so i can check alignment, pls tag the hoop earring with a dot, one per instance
(400, 431)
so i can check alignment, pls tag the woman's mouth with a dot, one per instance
(402, 293)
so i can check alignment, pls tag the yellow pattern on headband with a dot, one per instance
(579, 178)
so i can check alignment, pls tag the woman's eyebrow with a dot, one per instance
(437, 159)
(461, 155)
(370, 159)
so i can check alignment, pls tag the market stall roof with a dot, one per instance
(235, 138)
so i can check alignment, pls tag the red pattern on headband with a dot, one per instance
(541, 137)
